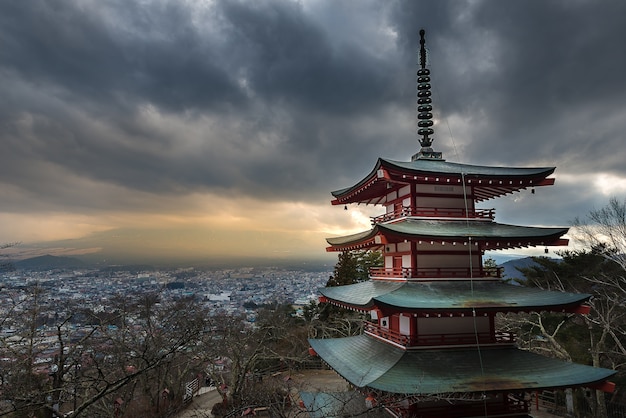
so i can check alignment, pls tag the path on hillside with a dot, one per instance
(202, 403)
(306, 380)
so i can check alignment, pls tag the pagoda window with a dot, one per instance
(456, 202)
(397, 263)
(384, 322)
(405, 325)
(394, 323)
(396, 266)
(406, 261)
(406, 206)
(454, 325)
(389, 262)
(396, 249)
(397, 208)
(404, 247)
(443, 200)
(404, 191)
(440, 190)
(454, 330)
(449, 260)
(449, 264)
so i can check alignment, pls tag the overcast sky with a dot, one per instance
(218, 128)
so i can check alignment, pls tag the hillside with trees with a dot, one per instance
(597, 338)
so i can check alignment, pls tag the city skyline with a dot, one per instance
(191, 130)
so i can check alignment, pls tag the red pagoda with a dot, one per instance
(432, 348)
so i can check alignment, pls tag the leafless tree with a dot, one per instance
(5, 259)
(114, 365)
(598, 337)
(605, 230)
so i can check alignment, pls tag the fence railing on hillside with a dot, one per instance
(554, 403)
(191, 388)
(615, 410)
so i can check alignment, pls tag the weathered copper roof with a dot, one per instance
(506, 236)
(487, 182)
(451, 296)
(367, 362)
(473, 171)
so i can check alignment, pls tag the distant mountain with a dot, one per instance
(48, 262)
(511, 267)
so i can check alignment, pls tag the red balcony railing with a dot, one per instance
(387, 334)
(435, 272)
(439, 339)
(436, 213)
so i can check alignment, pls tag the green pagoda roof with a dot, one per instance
(367, 362)
(487, 181)
(450, 296)
(493, 234)
(445, 167)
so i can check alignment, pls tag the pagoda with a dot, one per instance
(430, 346)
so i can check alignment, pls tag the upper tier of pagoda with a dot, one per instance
(481, 182)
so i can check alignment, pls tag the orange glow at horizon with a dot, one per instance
(211, 226)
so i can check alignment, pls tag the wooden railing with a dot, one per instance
(465, 339)
(439, 339)
(435, 213)
(387, 334)
(435, 272)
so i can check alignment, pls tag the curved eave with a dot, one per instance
(450, 297)
(372, 189)
(490, 235)
(368, 362)
(361, 240)
(486, 182)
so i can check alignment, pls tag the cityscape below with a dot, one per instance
(224, 291)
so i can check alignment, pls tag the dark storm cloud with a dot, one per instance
(288, 56)
(269, 99)
(81, 74)
(114, 51)
(547, 76)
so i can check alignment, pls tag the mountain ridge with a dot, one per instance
(48, 262)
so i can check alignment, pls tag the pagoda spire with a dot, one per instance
(424, 108)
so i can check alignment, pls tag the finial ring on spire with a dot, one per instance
(424, 107)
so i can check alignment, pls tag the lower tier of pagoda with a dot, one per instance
(371, 364)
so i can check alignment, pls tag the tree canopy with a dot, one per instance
(354, 267)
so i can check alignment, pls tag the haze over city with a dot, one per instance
(201, 130)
